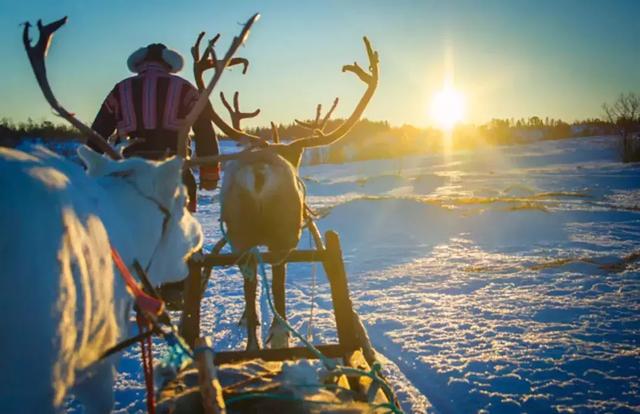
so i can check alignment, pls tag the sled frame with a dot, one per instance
(331, 259)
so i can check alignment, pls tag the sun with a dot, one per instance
(447, 108)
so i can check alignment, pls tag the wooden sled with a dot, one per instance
(236, 381)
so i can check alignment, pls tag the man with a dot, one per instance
(151, 106)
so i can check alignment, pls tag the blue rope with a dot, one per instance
(178, 354)
(328, 363)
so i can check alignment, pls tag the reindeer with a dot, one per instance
(261, 200)
(63, 304)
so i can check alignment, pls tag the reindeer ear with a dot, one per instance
(167, 179)
(94, 162)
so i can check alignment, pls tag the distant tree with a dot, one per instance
(535, 122)
(11, 133)
(624, 114)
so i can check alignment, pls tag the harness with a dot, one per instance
(145, 305)
(150, 309)
(165, 221)
(152, 318)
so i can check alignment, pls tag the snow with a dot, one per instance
(498, 280)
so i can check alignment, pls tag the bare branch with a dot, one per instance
(37, 55)
(624, 113)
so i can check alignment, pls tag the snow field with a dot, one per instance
(503, 280)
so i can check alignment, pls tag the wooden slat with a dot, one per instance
(278, 285)
(190, 318)
(281, 354)
(210, 388)
(342, 306)
(267, 257)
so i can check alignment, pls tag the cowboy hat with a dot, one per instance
(156, 52)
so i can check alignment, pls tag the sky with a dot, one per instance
(510, 59)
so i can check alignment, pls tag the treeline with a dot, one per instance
(11, 133)
(371, 139)
(513, 131)
(366, 140)
(377, 139)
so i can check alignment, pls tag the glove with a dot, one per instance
(209, 176)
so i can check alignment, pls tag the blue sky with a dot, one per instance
(510, 58)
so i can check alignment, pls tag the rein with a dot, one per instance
(149, 305)
(145, 305)
(144, 302)
(149, 309)
(165, 221)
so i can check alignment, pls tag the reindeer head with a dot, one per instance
(149, 199)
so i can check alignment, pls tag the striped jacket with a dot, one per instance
(152, 105)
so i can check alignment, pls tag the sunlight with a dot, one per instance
(447, 107)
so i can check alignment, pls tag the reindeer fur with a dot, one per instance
(261, 205)
(64, 302)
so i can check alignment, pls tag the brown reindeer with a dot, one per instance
(262, 203)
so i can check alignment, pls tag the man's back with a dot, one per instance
(150, 105)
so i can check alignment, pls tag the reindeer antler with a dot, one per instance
(37, 55)
(318, 124)
(204, 94)
(209, 59)
(275, 134)
(200, 65)
(293, 150)
(235, 113)
(319, 138)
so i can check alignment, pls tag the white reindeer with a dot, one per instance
(63, 302)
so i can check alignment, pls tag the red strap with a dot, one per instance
(147, 364)
(145, 302)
